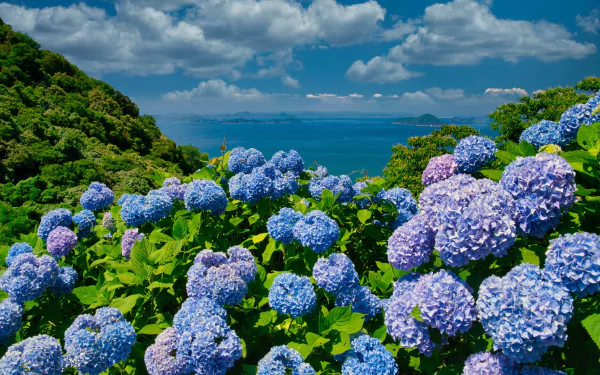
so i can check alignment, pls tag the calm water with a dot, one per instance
(342, 145)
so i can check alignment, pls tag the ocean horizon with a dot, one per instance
(336, 143)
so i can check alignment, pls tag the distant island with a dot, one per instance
(424, 120)
(237, 118)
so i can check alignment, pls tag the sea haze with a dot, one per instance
(345, 146)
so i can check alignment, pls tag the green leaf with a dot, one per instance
(87, 295)
(129, 278)
(380, 333)
(259, 237)
(235, 221)
(416, 313)
(268, 253)
(303, 349)
(265, 318)
(315, 341)
(364, 216)
(126, 304)
(157, 236)
(150, 329)
(592, 326)
(529, 256)
(505, 157)
(492, 174)
(527, 149)
(588, 136)
(342, 319)
(181, 228)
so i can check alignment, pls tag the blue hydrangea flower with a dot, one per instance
(85, 220)
(357, 187)
(250, 188)
(209, 258)
(407, 330)
(545, 133)
(434, 194)
(195, 311)
(130, 237)
(38, 355)
(288, 161)
(404, 202)
(473, 153)
(284, 185)
(243, 262)
(97, 197)
(281, 225)
(593, 104)
(60, 241)
(316, 231)
(95, 343)
(108, 221)
(320, 172)
(124, 198)
(29, 276)
(572, 119)
(438, 169)
(161, 357)
(544, 187)
(487, 363)
(368, 356)
(205, 195)
(222, 284)
(138, 210)
(11, 314)
(574, 261)
(363, 301)
(65, 282)
(244, 161)
(524, 312)
(174, 188)
(473, 229)
(282, 359)
(411, 245)
(337, 185)
(17, 249)
(446, 302)
(335, 274)
(55, 218)
(536, 370)
(292, 294)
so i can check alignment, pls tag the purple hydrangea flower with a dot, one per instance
(29, 276)
(11, 314)
(487, 363)
(244, 161)
(524, 312)
(60, 241)
(335, 274)
(433, 195)
(411, 245)
(205, 195)
(243, 262)
(438, 169)
(281, 225)
(545, 133)
(36, 355)
(222, 284)
(130, 237)
(574, 261)
(174, 188)
(292, 294)
(473, 153)
(316, 231)
(97, 197)
(55, 218)
(85, 220)
(17, 249)
(288, 161)
(161, 357)
(368, 356)
(337, 185)
(282, 359)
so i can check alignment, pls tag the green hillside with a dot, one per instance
(61, 130)
(425, 119)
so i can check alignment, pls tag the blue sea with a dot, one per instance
(344, 146)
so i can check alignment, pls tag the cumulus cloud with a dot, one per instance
(379, 70)
(417, 96)
(514, 91)
(290, 82)
(214, 88)
(591, 23)
(202, 38)
(399, 30)
(449, 94)
(377, 96)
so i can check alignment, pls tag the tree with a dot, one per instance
(589, 84)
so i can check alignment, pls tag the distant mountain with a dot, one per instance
(426, 119)
(466, 120)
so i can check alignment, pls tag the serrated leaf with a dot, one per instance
(129, 278)
(181, 228)
(126, 304)
(303, 349)
(157, 236)
(592, 326)
(529, 256)
(416, 313)
(492, 174)
(268, 253)
(235, 221)
(87, 295)
(588, 136)
(380, 333)
(259, 237)
(150, 329)
(265, 318)
(315, 341)
(364, 216)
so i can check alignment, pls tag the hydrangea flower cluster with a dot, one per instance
(438, 169)
(65, 281)
(264, 181)
(29, 276)
(572, 119)
(96, 197)
(473, 228)
(288, 162)
(85, 220)
(223, 280)
(357, 187)
(574, 261)
(317, 231)
(524, 312)
(137, 209)
(281, 225)
(543, 187)
(363, 301)
(161, 357)
(368, 356)
(60, 241)
(411, 245)
(282, 359)
(108, 222)
(433, 195)
(16, 250)
(244, 161)
(130, 237)
(95, 343)
(404, 202)
(535, 370)
(410, 332)
(544, 133)
(337, 185)
(36, 355)
(174, 188)
(59, 217)
(487, 363)
(10, 319)
(292, 294)
(473, 153)
(335, 274)
(205, 195)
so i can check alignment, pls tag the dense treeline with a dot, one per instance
(60, 130)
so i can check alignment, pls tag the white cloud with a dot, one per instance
(591, 23)
(235, 75)
(449, 94)
(326, 96)
(536, 92)
(379, 70)
(377, 96)
(204, 38)
(399, 30)
(290, 82)
(214, 88)
(418, 96)
(356, 96)
(514, 91)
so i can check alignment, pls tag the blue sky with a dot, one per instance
(449, 58)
